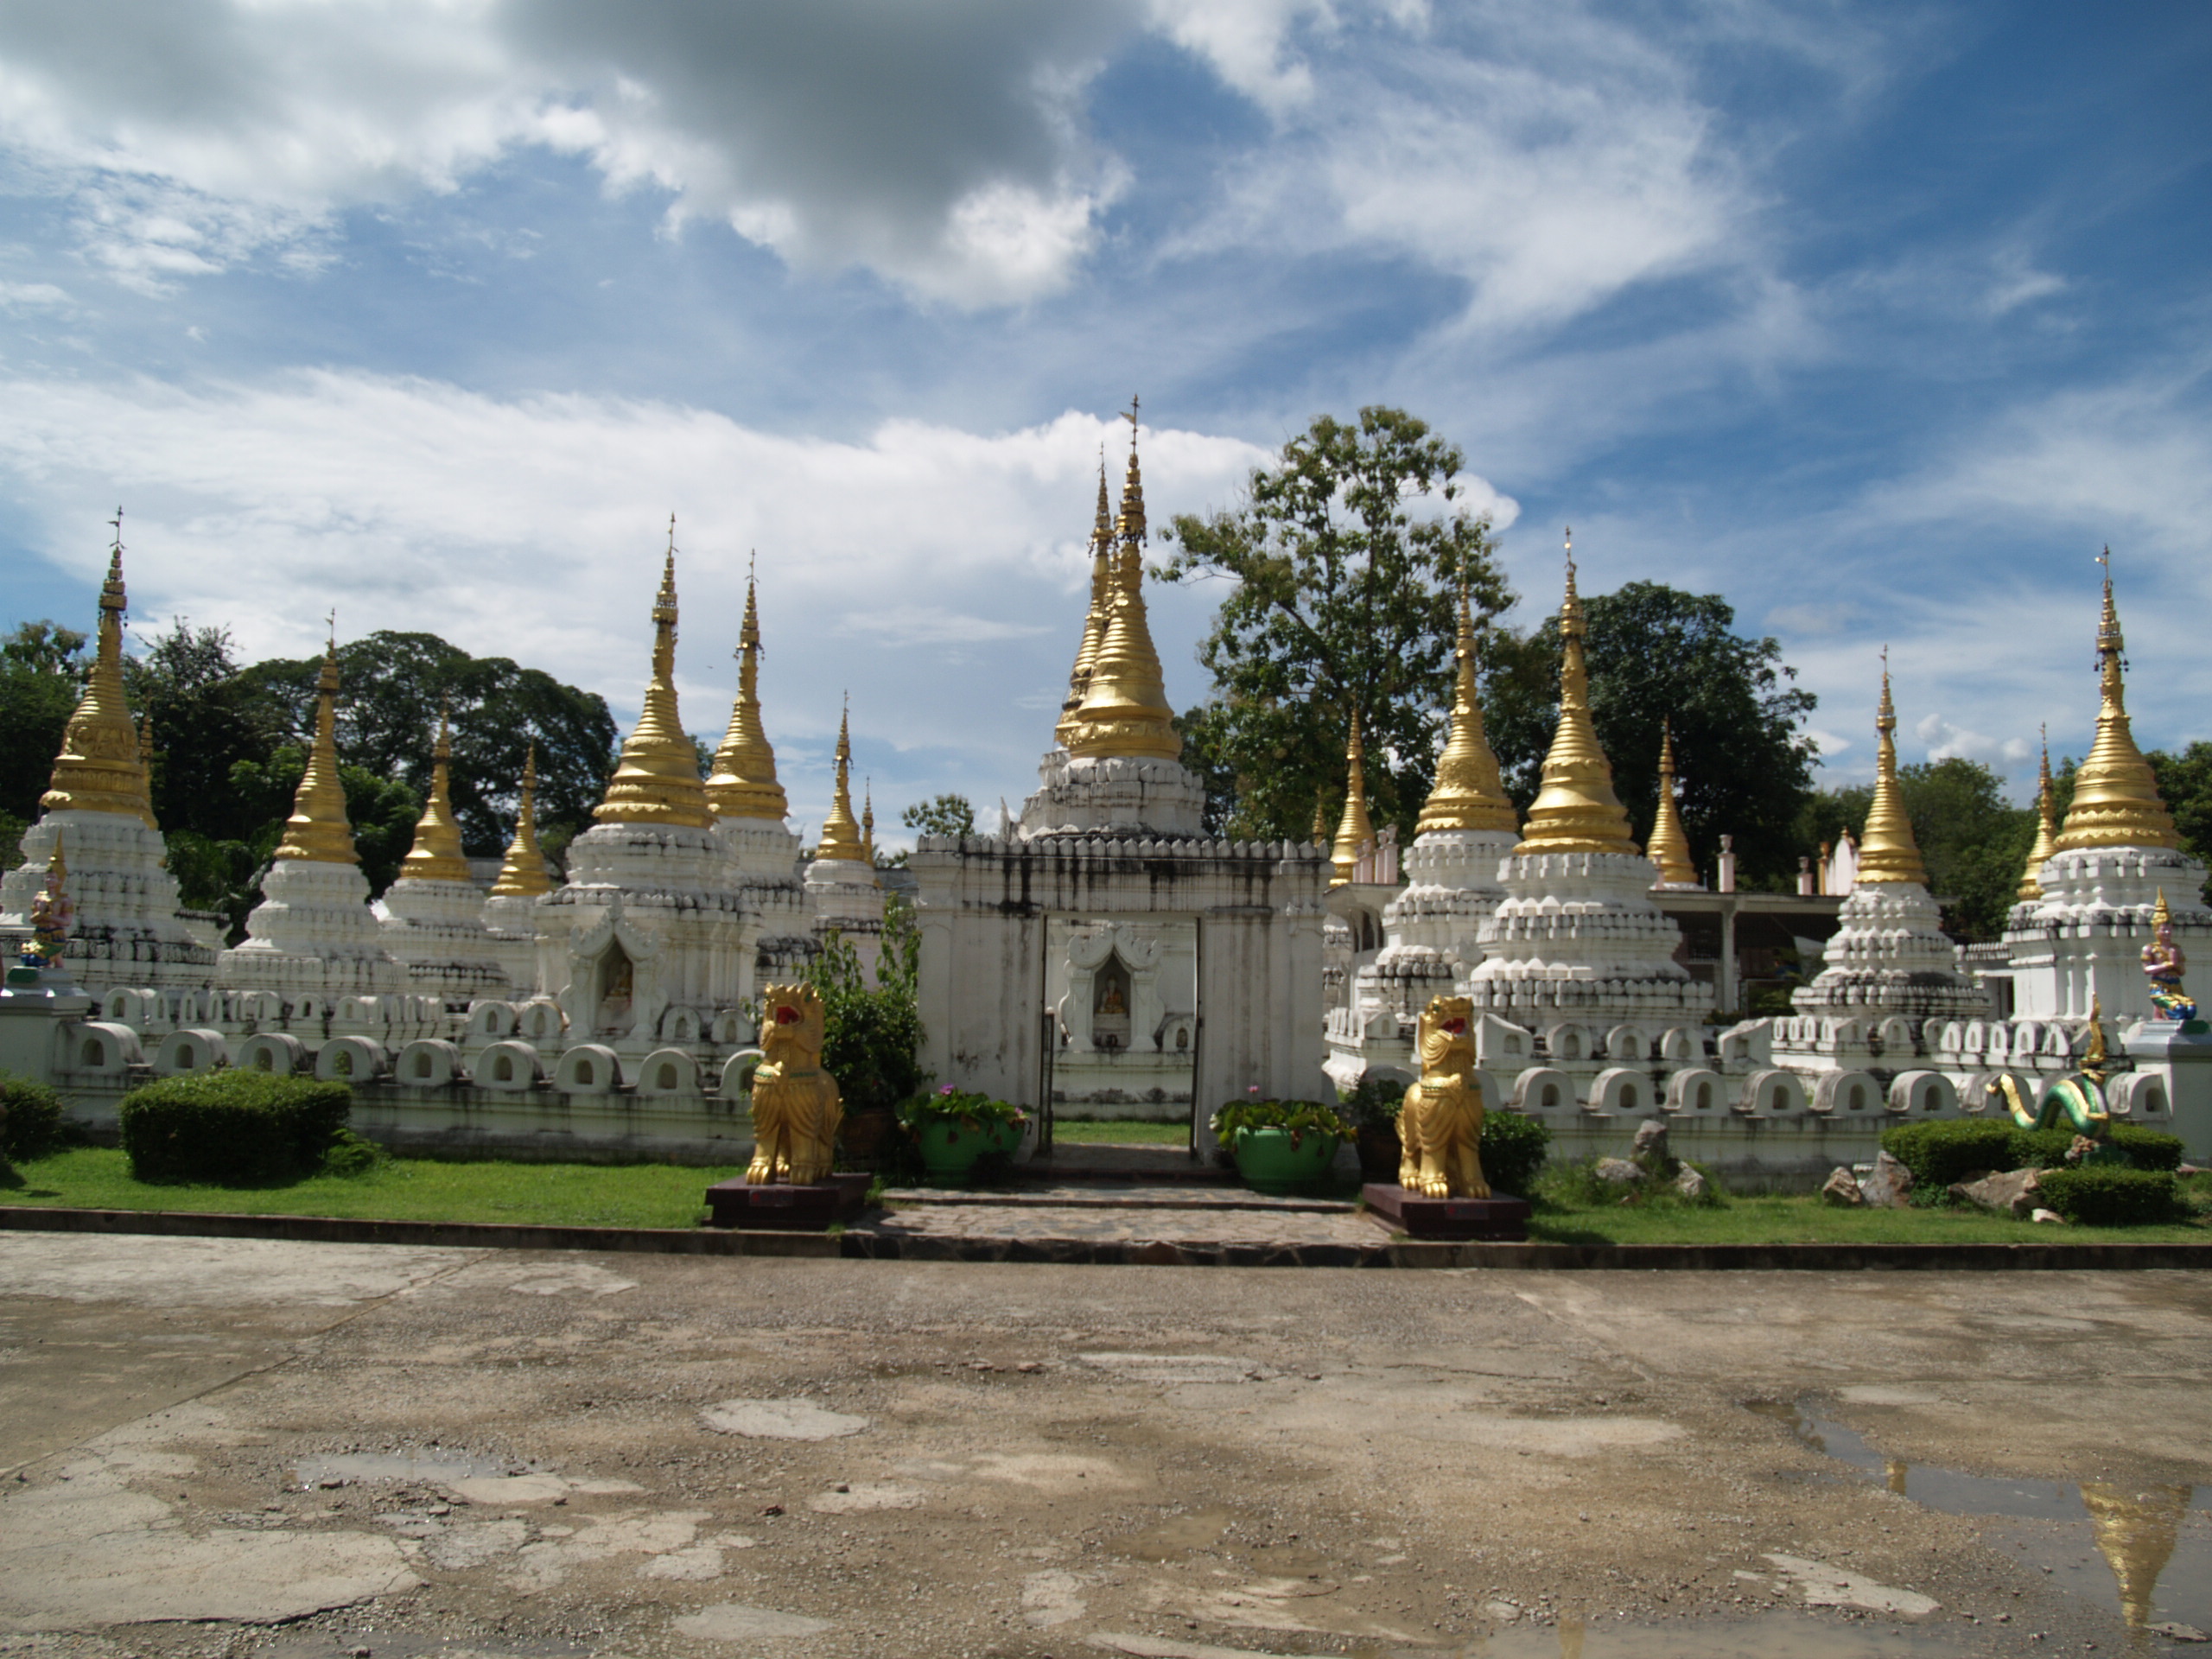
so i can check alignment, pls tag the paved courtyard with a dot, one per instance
(240, 1448)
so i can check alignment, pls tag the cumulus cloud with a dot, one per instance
(1949, 742)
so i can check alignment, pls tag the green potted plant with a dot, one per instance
(951, 1129)
(1372, 1107)
(1280, 1145)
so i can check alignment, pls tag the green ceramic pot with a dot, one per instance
(949, 1149)
(1270, 1163)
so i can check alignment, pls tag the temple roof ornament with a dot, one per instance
(1887, 851)
(522, 873)
(1669, 848)
(319, 830)
(743, 785)
(867, 821)
(841, 834)
(1468, 793)
(1576, 810)
(2046, 830)
(1101, 605)
(1355, 831)
(2116, 801)
(1124, 710)
(657, 781)
(437, 854)
(100, 768)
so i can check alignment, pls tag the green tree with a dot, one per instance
(2185, 782)
(872, 1034)
(208, 715)
(1973, 841)
(1656, 654)
(42, 676)
(388, 717)
(942, 815)
(1344, 562)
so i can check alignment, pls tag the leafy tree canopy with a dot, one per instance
(1656, 654)
(1343, 562)
(42, 676)
(942, 815)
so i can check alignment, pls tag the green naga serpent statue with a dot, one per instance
(2079, 1101)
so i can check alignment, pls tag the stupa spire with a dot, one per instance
(867, 821)
(657, 781)
(1887, 851)
(319, 830)
(1102, 606)
(146, 769)
(100, 768)
(1355, 830)
(522, 873)
(1469, 794)
(1124, 710)
(1668, 847)
(1576, 810)
(743, 785)
(437, 854)
(841, 835)
(2116, 801)
(2046, 842)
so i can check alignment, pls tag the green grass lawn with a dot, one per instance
(405, 1189)
(1122, 1132)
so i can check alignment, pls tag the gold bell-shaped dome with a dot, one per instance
(1576, 810)
(1887, 851)
(1469, 794)
(2116, 800)
(658, 779)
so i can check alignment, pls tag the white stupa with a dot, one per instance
(433, 914)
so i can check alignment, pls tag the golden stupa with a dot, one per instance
(1669, 848)
(1576, 810)
(743, 784)
(1355, 832)
(867, 823)
(1469, 794)
(841, 834)
(1101, 605)
(1124, 710)
(102, 767)
(1887, 851)
(2116, 801)
(319, 829)
(522, 873)
(2046, 844)
(657, 781)
(437, 854)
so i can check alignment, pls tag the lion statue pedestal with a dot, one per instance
(796, 1113)
(1442, 1192)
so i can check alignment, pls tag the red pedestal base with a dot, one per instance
(1500, 1218)
(739, 1204)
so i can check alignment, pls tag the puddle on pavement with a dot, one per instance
(2157, 1559)
(1174, 1538)
(438, 1465)
(1767, 1636)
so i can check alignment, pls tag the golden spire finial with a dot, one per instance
(1669, 848)
(437, 854)
(1321, 819)
(1355, 831)
(743, 784)
(1469, 794)
(867, 820)
(841, 835)
(2046, 842)
(100, 768)
(1102, 606)
(2116, 801)
(319, 829)
(658, 780)
(522, 873)
(1887, 851)
(1576, 810)
(1124, 710)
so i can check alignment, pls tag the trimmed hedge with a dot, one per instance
(36, 1125)
(1939, 1154)
(232, 1129)
(1512, 1149)
(2106, 1196)
(2146, 1148)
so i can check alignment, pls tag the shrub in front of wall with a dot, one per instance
(1512, 1150)
(2146, 1148)
(1939, 1154)
(36, 1126)
(231, 1128)
(2104, 1195)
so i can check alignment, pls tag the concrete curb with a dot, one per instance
(2055, 1256)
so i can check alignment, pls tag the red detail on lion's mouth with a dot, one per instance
(1455, 1025)
(788, 1016)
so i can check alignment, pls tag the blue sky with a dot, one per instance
(1879, 320)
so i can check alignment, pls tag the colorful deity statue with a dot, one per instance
(2163, 964)
(52, 914)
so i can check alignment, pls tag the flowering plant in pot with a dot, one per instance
(1280, 1145)
(953, 1127)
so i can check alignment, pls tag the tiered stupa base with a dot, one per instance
(313, 932)
(511, 936)
(2082, 942)
(1577, 937)
(846, 901)
(1114, 795)
(127, 930)
(1890, 956)
(435, 930)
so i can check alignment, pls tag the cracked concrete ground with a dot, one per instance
(240, 1448)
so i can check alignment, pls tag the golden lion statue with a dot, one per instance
(796, 1106)
(1441, 1124)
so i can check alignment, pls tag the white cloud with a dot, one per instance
(21, 296)
(1947, 743)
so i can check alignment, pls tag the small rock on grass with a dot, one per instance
(1888, 1186)
(2011, 1192)
(1618, 1171)
(2047, 1215)
(1691, 1185)
(1842, 1188)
